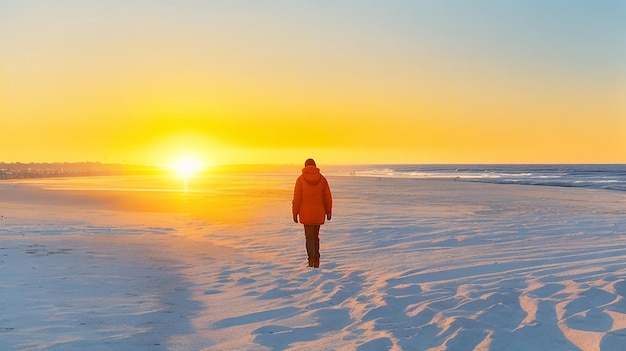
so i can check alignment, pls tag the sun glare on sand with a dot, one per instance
(188, 166)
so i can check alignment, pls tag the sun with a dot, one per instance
(187, 166)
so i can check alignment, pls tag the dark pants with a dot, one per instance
(312, 235)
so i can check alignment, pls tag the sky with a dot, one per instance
(344, 82)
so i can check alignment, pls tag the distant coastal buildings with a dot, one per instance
(18, 170)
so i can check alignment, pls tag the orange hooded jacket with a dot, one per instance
(312, 200)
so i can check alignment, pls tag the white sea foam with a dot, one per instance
(608, 177)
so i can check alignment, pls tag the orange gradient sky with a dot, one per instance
(235, 81)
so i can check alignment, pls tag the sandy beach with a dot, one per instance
(407, 264)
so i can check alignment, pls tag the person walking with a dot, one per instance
(312, 204)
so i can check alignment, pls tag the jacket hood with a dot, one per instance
(311, 174)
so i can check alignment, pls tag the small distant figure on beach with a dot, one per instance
(312, 204)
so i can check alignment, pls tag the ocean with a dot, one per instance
(595, 176)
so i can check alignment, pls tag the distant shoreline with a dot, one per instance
(593, 176)
(18, 170)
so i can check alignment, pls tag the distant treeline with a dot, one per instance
(20, 170)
